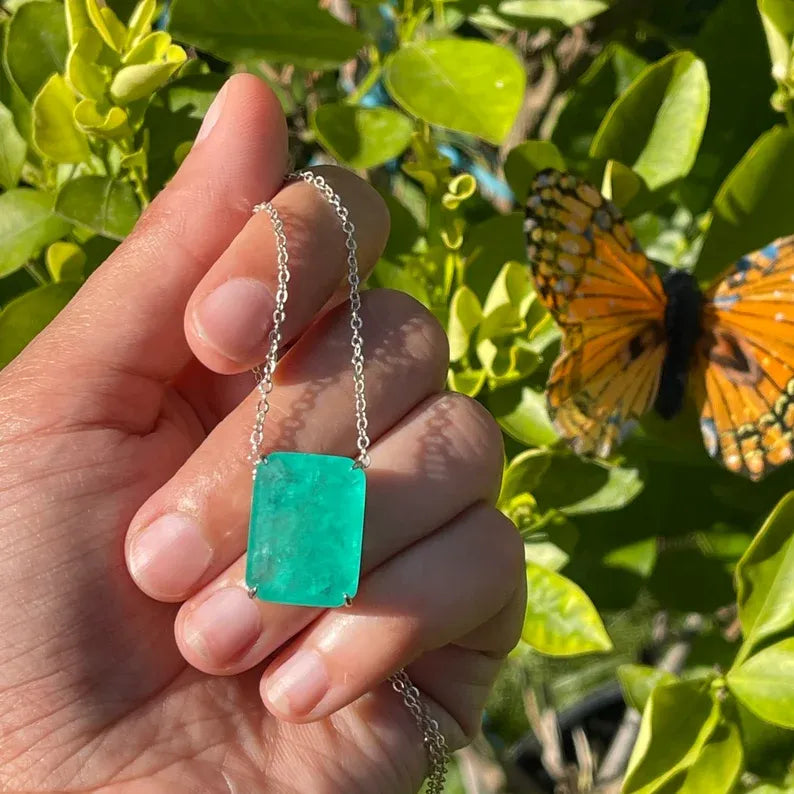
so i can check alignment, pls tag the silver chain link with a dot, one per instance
(435, 744)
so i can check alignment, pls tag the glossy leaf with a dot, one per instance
(13, 149)
(362, 137)
(464, 85)
(566, 12)
(139, 80)
(36, 45)
(104, 205)
(30, 313)
(111, 124)
(638, 681)
(526, 160)
(107, 24)
(524, 472)
(679, 719)
(465, 314)
(140, 22)
(27, 224)
(55, 133)
(752, 206)
(765, 578)
(297, 32)
(718, 766)
(576, 486)
(656, 125)
(84, 66)
(469, 381)
(560, 619)
(65, 261)
(77, 19)
(521, 413)
(765, 683)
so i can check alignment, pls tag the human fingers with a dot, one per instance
(437, 591)
(442, 458)
(230, 314)
(196, 524)
(128, 317)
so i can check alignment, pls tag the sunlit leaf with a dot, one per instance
(524, 472)
(525, 160)
(65, 261)
(638, 681)
(465, 313)
(560, 619)
(679, 719)
(765, 683)
(461, 84)
(521, 413)
(55, 133)
(567, 12)
(656, 125)
(718, 766)
(13, 149)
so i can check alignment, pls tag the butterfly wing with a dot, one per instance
(604, 293)
(745, 361)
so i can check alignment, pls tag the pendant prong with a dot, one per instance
(251, 592)
(348, 600)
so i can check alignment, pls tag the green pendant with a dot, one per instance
(307, 522)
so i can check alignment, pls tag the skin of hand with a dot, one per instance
(131, 658)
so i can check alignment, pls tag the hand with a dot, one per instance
(129, 417)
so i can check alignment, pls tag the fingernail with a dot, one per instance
(235, 317)
(212, 115)
(169, 556)
(225, 626)
(299, 684)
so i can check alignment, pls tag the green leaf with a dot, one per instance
(638, 681)
(65, 261)
(104, 205)
(610, 74)
(465, 313)
(777, 17)
(752, 206)
(679, 719)
(469, 382)
(507, 303)
(392, 276)
(461, 84)
(29, 314)
(84, 66)
(362, 137)
(526, 160)
(765, 683)
(560, 619)
(656, 125)
(297, 32)
(575, 486)
(36, 45)
(148, 67)
(140, 22)
(27, 224)
(567, 12)
(524, 473)
(107, 24)
(765, 578)
(13, 150)
(521, 413)
(111, 124)
(77, 20)
(718, 766)
(55, 133)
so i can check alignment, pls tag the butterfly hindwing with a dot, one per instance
(604, 293)
(744, 384)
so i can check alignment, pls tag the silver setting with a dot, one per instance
(433, 739)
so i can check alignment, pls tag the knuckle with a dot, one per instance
(403, 320)
(478, 440)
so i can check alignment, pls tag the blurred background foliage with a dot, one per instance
(659, 584)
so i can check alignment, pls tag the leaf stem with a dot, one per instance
(34, 271)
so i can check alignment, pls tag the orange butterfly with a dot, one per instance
(632, 340)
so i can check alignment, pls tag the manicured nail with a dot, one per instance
(169, 556)
(299, 684)
(225, 626)
(212, 115)
(235, 317)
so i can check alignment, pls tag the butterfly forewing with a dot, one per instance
(744, 383)
(604, 293)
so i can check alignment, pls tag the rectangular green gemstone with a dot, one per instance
(307, 522)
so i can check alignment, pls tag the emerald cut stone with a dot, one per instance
(307, 522)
